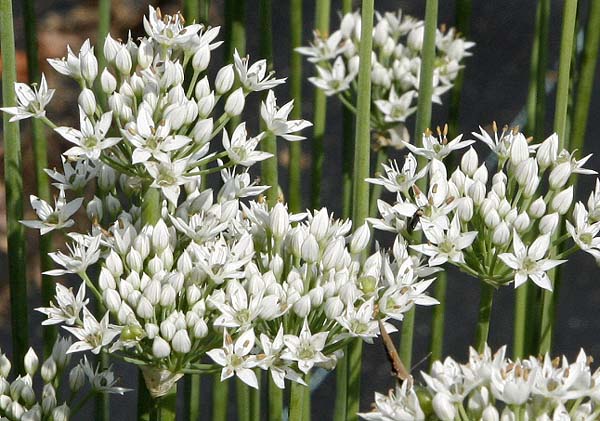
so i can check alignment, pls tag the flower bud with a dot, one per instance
(501, 235)
(279, 221)
(491, 218)
(235, 103)
(548, 223)
(490, 413)
(48, 370)
(61, 413)
(144, 308)
(443, 407)
(332, 253)
(155, 265)
(526, 170)
(145, 53)
(206, 105)
(522, 222)
(31, 362)
(464, 209)
(537, 209)
(76, 378)
(112, 300)
(360, 239)
(481, 174)
(224, 79)
(142, 245)
(415, 38)
(202, 88)
(201, 58)
(48, 399)
(160, 236)
(168, 296)
(94, 209)
(469, 162)
(302, 306)
(123, 61)
(310, 249)
(167, 329)
(160, 347)
(134, 260)
(519, 150)
(200, 329)
(546, 153)
(477, 192)
(4, 366)
(111, 48)
(559, 175)
(89, 66)
(16, 410)
(562, 201)
(181, 342)
(108, 82)
(87, 101)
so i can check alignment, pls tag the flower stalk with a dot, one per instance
(13, 173)
(322, 13)
(275, 402)
(294, 198)
(297, 402)
(549, 299)
(486, 299)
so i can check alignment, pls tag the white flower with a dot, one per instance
(235, 359)
(401, 404)
(81, 255)
(445, 246)
(91, 140)
(75, 176)
(396, 180)
(397, 108)
(51, 219)
(30, 102)
(583, 233)
(270, 360)
(255, 77)
(168, 176)
(306, 348)
(512, 384)
(93, 335)
(101, 381)
(151, 140)
(240, 312)
(334, 80)
(67, 307)
(529, 261)
(276, 119)
(242, 150)
(325, 49)
(71, 65)
(360, 323)
(438, 147)
(168, 30)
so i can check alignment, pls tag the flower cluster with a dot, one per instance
(491, 387)
(395, 67)
(500, 228)
(18, 400)
(188, 273)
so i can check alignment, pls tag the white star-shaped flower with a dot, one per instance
(306, 349)
(31, 102)
(235, 359)
(530, 261)
(93, 335)
(53, 218)
(91, 139)
(276, 119)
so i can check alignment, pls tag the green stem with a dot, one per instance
(242, 393)
(151, 206)
(191, 10)
(255, 396)
(296, 402)
(166, 406)
(295, 158)
(103, 399)
(341, 380)
(323, 11)
(192, 396)
(485, 312)
(307, 399)
(347, 149)
(204, 15)
(13, 174)
(382, 156)
(436, 345)
(220, 398)
(587, 71)
(560, 127)
(275, 402)
(520, 326)
(40, 163)
(463, 26)
(406, 338)
(269, 143)
(144, 401)
(104, 10)
(354, 373)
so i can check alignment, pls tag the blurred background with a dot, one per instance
(495, 89)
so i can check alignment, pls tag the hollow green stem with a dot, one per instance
(295, 158)
(323, 11)
(40, 163)
(275, 402)
(192, 396)
(560, 127)
(341, 381)
(406, 337)
(255, 397)
(376, 189)
(436, 346)
(191, 10)
(297, 402)
(235, 37)
(307, 399)
(463, 25)
(144, 401)
(486, 300)
(354, 373)
(347, 151)
(587, 72)
(151, 206)
(220, 398)
(520, 324)
(166, 406)
(242, 393)
(13, 175)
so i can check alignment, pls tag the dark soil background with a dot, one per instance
(495, 88)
